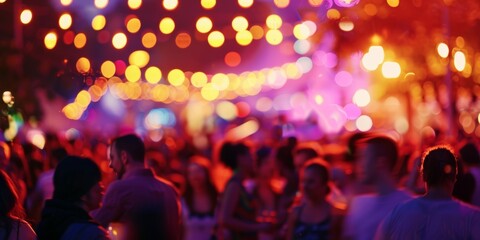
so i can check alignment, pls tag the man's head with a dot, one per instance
(439, 166)
(77, 180)
(126, 150)
(377, 157)
(302, 155)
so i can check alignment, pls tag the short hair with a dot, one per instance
(384, 147)
(132, 144)
(230, 152)
(74, 177)
(439, 165)
(307, 151)
(321, 168)
(469, 154)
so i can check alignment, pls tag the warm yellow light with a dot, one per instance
(301, 31)
(199, 79)
(133, 73)
(315, 3)
(176, 77)
(369, 62)
(208, 4)
(133, 25)
(83, 98)
(204, 25)
(239, 23)
(80, 40)
(65, 21)
(167, 25)
(134, 4)
(459, 61)
(391, 69)
(281, 3)
(72, 111)
(170, 4)
(149, 40)
(50, 40)
(244, 38)
(83, 65)
(66, 2)
(100, 4)
(119, 40)
(220, 81)
(319, 99)
(26, 16)
(264, 104)
(274, 21)
(443, 50)
(139, 58)
(257, 32)
(393, 3)
(245, 3)
(364, 123)
(333, 14)
(227, 110)
(216, 39)
(108, 69)
(153, 75)
(274, 37)
(209, 93)
(98, 22)
(361, 98)
(2, 1)
(346, 25)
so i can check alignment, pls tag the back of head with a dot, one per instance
(230, 152)
(74, 177)
(439, 166)
(385, 148)
(132, 145)
(8, 196)
(469, 154)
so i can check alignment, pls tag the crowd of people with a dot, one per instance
(377, 187)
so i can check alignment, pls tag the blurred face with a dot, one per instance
(312, 185)
(93, 198)
(196, 176)
(246, 163)
(115, 162)
(266, 169)
(365, 164)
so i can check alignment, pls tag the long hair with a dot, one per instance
(9, 204)
(211, 190)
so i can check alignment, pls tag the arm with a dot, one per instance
(292, 218)
(226, 218)
(111, 208)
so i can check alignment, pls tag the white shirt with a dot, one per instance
(367, 211)
(422, 218)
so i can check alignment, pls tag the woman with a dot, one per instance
(77, 191)
(199, 201)
(11, 212)
(314, 218)
(238, 209)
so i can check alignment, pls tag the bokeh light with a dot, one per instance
(443, 50)
(240, 23)
(391, 69)
(216, 39)
(101, 4)
(133, 73)
(98, 22)
(245, 3)
(364, 123)
(274, 21)
(361, 97)
(167, 25)
(149, 40)
(65, 21)
(134, 4)
(232, 59)
(66, 2)
(80, 40)
(119, 40)
(153, 75)
(204, 25)
(208, 4)
(226, 110)
(199, 79)
(133, 25)
(170, 4)
(83, 65)
(244, 38)
(26, 16)
(176, 77)
(209, 93)
(183, 40)
(108, 69)
(139, 58)
(346, 25)
(343, 79)
(281, 3)
(459, 61)
(50, 40)
(274, 37)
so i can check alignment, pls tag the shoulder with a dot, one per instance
(85, 230)
(25, 230)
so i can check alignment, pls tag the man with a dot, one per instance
(436, 215)
(77, 190)
(143, 203)
(376, 160)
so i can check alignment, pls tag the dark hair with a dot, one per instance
(9, 204)
(307, 151)
(74, 177)
(262, 155)
(284, 156)
(322, 169)
(212, 191)
(230, 152)
(469, 154)
(439, 165)
(384, 147)
(132, 144)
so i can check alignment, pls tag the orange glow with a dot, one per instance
(133, 25)
(149, 40)
(233, 59)
(257, 32)
(281, 3)
(183, 40)
(80, 40)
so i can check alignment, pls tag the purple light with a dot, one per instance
(352, 111)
